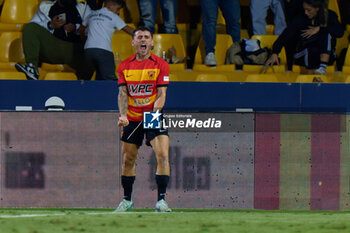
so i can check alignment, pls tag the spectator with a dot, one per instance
(316, 31)
(259, 8)
(101, 26)
(231, 12)
(54, 40)
(148, 11)
(292, 9)
(95, 4)
(344, 6)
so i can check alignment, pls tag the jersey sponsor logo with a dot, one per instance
(141, 102)
(166, 78)
(140, 89)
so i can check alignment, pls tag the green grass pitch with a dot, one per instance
(180, 220)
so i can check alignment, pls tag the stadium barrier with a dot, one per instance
(259, 159)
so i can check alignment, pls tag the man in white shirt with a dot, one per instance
(41, 45)
(101, 25)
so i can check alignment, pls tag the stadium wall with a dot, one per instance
(259, 160)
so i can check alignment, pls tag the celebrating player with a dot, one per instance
(143, 81)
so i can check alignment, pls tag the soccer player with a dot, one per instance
(143, 81)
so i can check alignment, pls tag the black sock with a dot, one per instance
(127, 183)
(162, 183)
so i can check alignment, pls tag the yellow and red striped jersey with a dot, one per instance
(142, 79)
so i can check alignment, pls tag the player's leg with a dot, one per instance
(128, 175)
(160, 145)
(131, 141)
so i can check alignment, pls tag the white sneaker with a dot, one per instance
(320, 71)
(124, 206)
(210, 59)
(162, 206)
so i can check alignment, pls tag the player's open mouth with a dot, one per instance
(143, 47)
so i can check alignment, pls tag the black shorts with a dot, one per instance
(134, 133)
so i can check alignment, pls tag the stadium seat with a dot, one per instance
(211, 78)
(310, 78)
(300, 69)
(15, 13)
(333, 5)
(56, 67)
(271, 78)
(130, 13)
(163, 42)
(12, 75)
(267, 41)
(223, 43)
(60, 76)
(11, 50)
(346, 67)
(121, 46)
(346, 79)
(270, 28)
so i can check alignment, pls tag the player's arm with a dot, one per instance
(160, 99)
(123, 105)
(128, 30)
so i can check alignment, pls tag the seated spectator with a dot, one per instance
(316, 31)
(101, 25)
(148, 11)
(51, 37)
(258, 10)
(231, 12)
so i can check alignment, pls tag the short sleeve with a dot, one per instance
(119, 23)
(121, 77)
(163, 77)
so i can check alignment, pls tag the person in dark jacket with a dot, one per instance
(315, 32)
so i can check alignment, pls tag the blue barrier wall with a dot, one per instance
(183, 96)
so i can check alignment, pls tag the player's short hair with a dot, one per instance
(141, 28)
(119, 2)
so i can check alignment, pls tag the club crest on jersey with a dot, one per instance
(140, 89)
(151, 74)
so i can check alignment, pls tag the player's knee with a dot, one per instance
(162, 158)
(129, 161)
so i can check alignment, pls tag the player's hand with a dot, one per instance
(310, 32)
(123, 121)
(272, 60)
(69, 27)
(56, 22)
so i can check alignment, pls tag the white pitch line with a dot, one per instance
(62, 214)
(29, 215)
